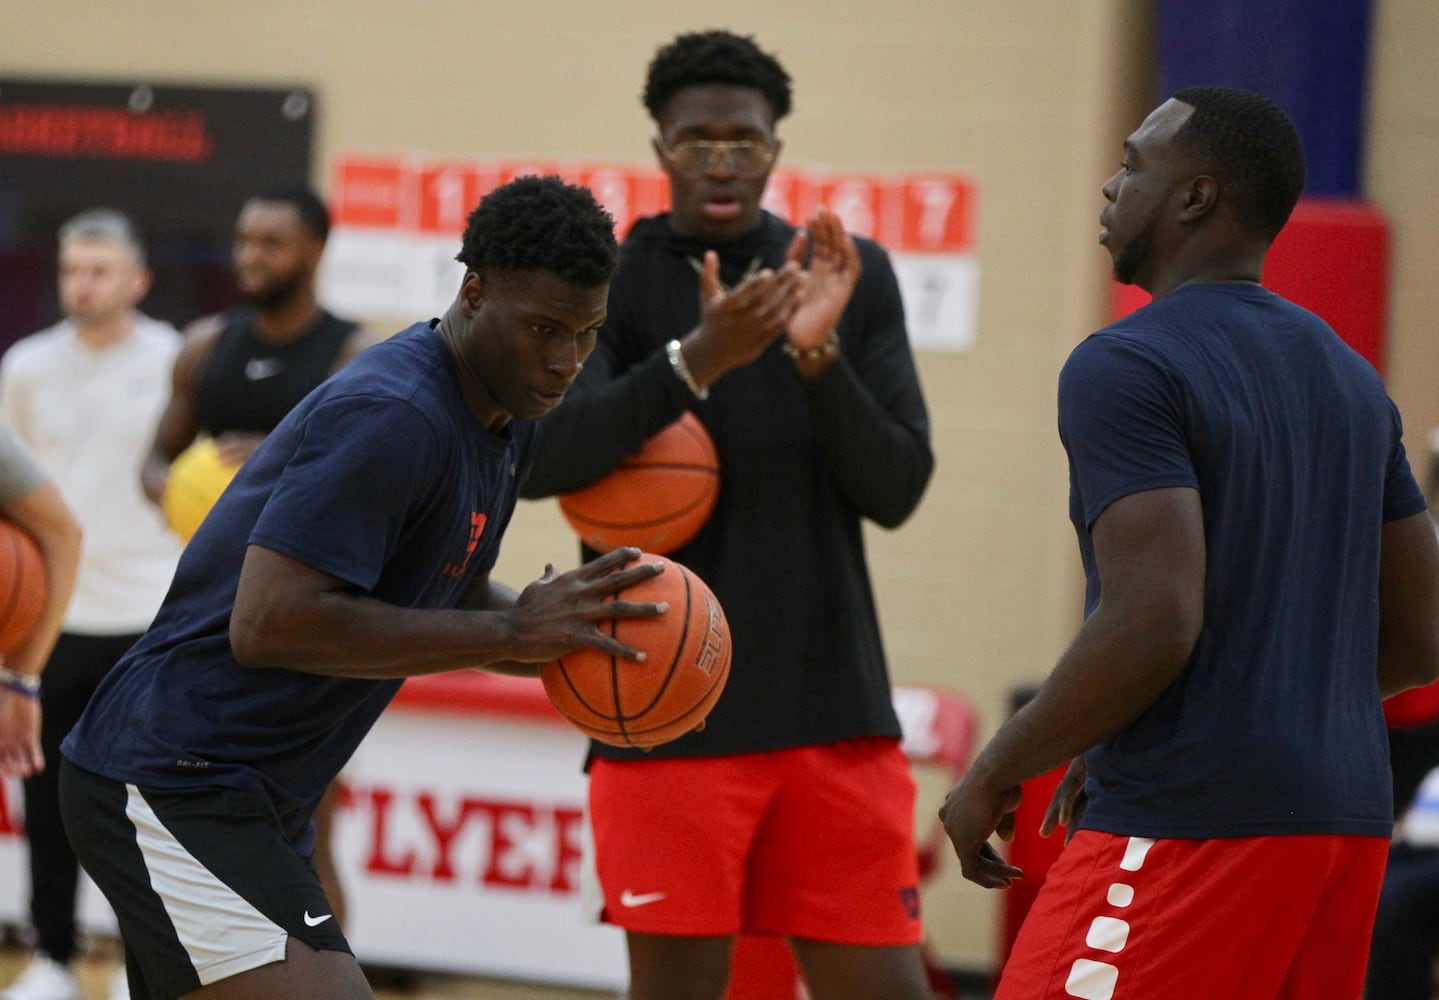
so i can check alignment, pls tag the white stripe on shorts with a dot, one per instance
(220, 931)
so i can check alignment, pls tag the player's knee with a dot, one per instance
(666, 967)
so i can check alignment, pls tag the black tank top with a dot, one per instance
(246, 384)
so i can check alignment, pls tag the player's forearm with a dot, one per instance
(512, 668)
(880, 459)
(152, 478)
(492, 595)
(1408, 605)
(1117, 666)
(352, 635)
(601, 422)
(1402, 668)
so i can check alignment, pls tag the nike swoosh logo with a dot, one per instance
(628, 898)
(316, 921)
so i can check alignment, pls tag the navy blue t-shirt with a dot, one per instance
(1274, 727)
(381, 477)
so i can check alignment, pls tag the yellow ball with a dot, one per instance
(197, 478)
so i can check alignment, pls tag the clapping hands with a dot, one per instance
(802, 300)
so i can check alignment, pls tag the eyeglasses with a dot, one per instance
(694, 159)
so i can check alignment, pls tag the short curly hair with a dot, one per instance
(541, 224)
(309, 206)
(715, 57)
(1252, 148)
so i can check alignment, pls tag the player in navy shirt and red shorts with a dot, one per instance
(1261, 571)
(352, 550)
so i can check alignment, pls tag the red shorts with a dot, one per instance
(814, 842)
(1250, 918)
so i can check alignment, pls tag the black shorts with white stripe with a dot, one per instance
(202, 881)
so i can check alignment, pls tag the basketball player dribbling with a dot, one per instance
(308, 595)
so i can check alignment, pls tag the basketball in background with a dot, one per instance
(657, 500)
(197, 478)
(627, 703)
(23, 586)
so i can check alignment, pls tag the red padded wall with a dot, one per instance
(1332, 258)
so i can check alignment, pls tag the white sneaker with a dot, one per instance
(120, 985)
(43, 979)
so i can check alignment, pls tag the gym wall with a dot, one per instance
(981, 589)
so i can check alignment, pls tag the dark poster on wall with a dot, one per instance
(181, 160)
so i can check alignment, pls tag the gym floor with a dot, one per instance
(97, 967)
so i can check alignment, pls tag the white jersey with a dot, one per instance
(90, 417)
(1420, 825)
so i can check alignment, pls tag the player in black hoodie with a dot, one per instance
(790, 813)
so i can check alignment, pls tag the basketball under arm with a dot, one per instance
(45, 516)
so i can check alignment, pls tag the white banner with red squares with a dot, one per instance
(398, 221)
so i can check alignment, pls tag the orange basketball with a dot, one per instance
(687, 655)
(657, 500)
(23, 585)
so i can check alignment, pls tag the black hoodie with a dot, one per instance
(802, 464)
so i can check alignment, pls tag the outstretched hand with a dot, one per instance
(830, 277)
(20, 754)
(558, 613)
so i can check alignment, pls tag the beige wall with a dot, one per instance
(980, 590)
(1401, 176)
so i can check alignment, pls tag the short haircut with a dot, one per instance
(715, 57)
(541, 224)
(104, 224)
(1251, 147)
(314, 216)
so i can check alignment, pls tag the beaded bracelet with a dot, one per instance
(677, 362)
(23, 684)
(828, 349)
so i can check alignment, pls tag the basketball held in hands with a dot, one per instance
(657, 500)
(627, 703)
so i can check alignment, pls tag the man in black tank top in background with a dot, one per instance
(240, 372)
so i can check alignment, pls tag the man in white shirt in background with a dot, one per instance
(86, 394)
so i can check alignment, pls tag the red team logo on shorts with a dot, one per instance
(477, 528)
